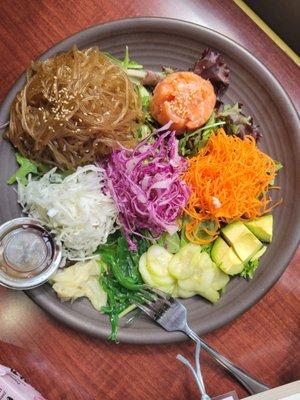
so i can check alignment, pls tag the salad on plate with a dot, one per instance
(143, 177)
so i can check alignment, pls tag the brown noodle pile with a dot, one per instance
(75, 108)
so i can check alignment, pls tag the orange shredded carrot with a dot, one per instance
(229, 179)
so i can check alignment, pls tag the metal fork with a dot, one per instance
(172, 316)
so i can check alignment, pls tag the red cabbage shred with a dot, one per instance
(146, 185)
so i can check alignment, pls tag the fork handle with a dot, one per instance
(251, 384)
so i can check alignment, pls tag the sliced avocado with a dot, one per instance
(251, 266)
(259, 253)
(225, 257)
(262, 227)
(244, 243)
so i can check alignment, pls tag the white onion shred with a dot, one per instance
(77, 209)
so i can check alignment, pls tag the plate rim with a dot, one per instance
(128, 335)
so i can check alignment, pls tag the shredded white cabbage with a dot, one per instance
(77, 209)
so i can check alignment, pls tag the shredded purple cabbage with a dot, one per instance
(146, 185)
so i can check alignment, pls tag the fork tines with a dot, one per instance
(154, 302)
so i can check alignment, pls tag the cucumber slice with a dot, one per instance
(165, 283)
(183, 263)
(147, 278)
(158, 260)
(185, 294)
(220, 279)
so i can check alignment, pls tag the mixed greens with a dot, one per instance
(230, 118)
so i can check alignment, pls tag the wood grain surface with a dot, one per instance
(63, 364)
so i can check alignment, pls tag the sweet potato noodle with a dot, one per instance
(75, 108)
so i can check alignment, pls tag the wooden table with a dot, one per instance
(64, 364)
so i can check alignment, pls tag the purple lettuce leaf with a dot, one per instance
(212, 66)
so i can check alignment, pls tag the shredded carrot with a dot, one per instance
(229, 179)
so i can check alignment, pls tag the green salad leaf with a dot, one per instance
(230, 117)
(249, 269)
(126, 62)
(210, 225)
(30, 167)
(26, 167)
(145, 97)
(236, 122)
(183, 239)
(170, 242)
(143, 131)
(191, 142)
(206, 248)
(278, 165)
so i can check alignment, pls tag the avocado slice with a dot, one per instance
(251, 266)
(225, 257)
(244, 243)
(262, 227)
(259, 253)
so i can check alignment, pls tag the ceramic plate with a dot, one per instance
(154, 42)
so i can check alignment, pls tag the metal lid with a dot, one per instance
(28, 254)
